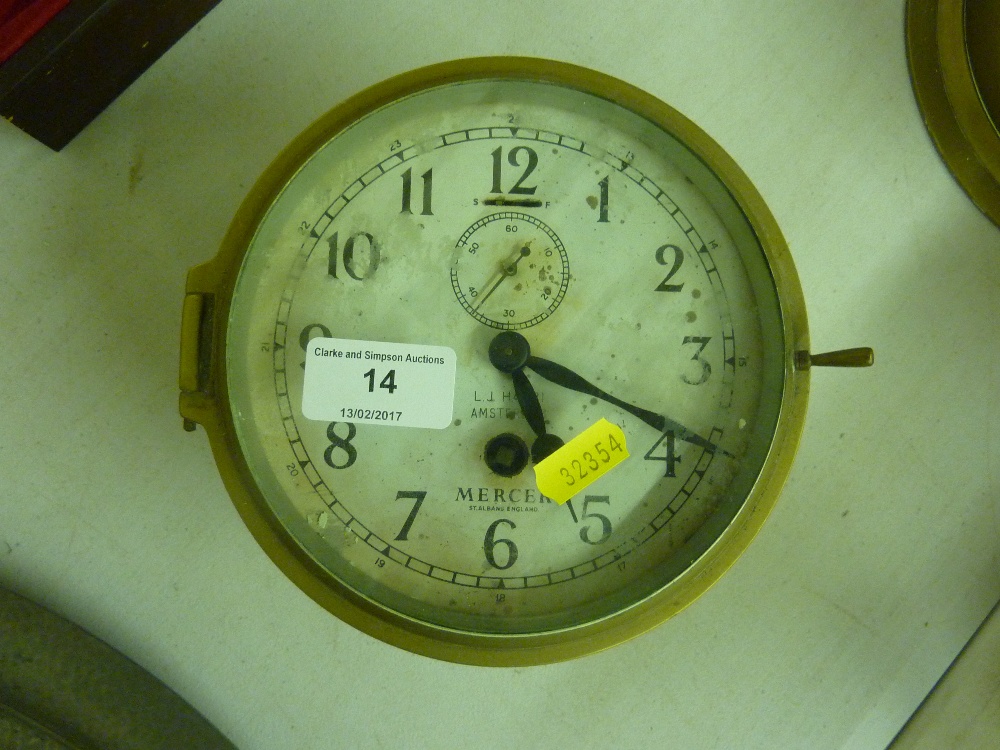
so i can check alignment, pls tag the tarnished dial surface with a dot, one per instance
(612, 249)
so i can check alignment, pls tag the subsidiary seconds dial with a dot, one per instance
(510, 270)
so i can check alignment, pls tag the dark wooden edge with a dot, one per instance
(89, 53)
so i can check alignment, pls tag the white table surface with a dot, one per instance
(876, 567)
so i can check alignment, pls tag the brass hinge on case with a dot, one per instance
(196, 356)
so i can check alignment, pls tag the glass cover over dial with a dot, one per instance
(589, 224)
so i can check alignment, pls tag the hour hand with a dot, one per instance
(506, 360)
(527, 399)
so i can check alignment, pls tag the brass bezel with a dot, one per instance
(204, 396)
(955, 70)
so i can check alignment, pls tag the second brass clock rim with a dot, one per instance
(944, 78)
(208, 404)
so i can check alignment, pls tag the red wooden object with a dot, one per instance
(63, 61)
(22, 19)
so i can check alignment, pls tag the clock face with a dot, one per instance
(361, 391)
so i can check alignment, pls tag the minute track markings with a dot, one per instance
(574, 572)
(472, 135)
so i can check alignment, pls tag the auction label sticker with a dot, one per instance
(378, 382)
(582, 461)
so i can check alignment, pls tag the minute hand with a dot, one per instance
(565, 377)
(568, 379)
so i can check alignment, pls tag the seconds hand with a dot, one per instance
(508, 270)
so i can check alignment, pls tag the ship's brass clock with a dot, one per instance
(441, 282)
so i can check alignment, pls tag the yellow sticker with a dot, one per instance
(582, 461)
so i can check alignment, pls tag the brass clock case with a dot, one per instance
(205, 400)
